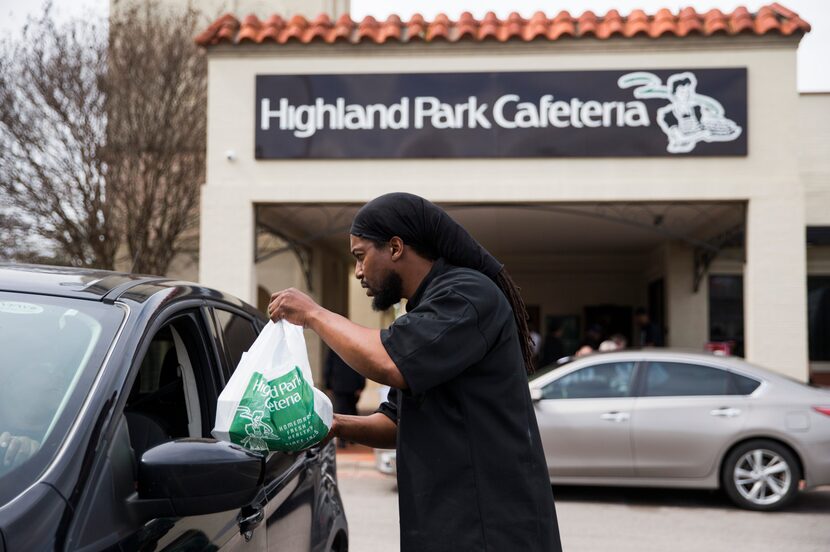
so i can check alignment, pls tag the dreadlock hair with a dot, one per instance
(514, 297)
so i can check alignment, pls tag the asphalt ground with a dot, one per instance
(605, 519)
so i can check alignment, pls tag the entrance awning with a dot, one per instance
(528, 229)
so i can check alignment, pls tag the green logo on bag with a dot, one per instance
(277, 414)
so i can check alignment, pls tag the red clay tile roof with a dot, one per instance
(773, 18)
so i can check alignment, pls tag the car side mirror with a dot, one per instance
(536, 394)
(199, 476)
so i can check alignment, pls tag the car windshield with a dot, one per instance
(51, 348)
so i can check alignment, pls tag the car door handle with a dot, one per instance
(248, 519)
(312, 453)
(615, 416)
(726, 412)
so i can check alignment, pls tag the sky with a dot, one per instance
(813, 52)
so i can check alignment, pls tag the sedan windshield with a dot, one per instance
(50, 350)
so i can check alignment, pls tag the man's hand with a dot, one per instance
(293, 306)
(16, 450)
(332, 432)
(359, 347)
(374, 430)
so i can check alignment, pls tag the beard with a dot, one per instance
(389, 292)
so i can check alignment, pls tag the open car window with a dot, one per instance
(169, 397)
(237, 335)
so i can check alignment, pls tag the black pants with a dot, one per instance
(345, 403)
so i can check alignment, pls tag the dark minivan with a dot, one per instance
(108, 390)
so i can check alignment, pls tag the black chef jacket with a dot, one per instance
(472, 474)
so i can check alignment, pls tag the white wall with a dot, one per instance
(814, 163)
(771, 82)
(687, 310)
(565, 284)
(814, 155)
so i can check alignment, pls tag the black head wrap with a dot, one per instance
(429, 230)
(424, 226)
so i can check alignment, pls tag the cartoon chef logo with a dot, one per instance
(257, 432)
(689, 117)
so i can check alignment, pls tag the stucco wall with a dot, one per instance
(814, 155)
(687, 310)
(563, 285)
(770, 164)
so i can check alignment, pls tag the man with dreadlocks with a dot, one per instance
(472, 475)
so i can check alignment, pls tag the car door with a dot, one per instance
(290, 487)
(171, 396)
(683, 418)
(584, 421)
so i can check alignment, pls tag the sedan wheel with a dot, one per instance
(761, 475)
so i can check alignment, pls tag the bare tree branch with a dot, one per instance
(156, 133)
(102, 138)
(52, 130)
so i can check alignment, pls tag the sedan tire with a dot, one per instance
(761, 475)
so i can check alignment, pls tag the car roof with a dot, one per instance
(81, 283)
(97, 285)
(680, 355)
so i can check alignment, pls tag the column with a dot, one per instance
(775, 281)
(226, 249)
(687, 310)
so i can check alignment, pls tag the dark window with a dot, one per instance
(158, 392)
(818, 317)
(172, 393)
(611, 319)
(238, 333)
(657, 307)
(668, 379)
(726, 311)
(602, 380)
(743, 385)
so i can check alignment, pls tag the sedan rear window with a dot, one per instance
(677, 379)
(744, 385)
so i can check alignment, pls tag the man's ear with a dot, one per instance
(396, 245)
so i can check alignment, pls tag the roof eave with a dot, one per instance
(717, 41)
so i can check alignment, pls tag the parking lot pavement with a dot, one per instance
(612, 520)
(651, 520)
(371, 504)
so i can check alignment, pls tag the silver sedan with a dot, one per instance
(671, 419)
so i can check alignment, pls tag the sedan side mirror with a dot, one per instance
(536, 394)
(200, 476)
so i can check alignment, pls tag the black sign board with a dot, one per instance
(678, 112)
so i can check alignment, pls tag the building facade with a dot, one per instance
(612, 162)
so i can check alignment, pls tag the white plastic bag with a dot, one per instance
(270, 403)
